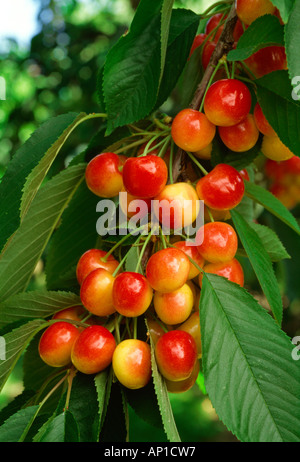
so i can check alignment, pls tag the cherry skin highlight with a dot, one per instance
(176, 355)
(174, 307)
(132, 363)
(227, 102)
(241, 137)
(221, 189)
(91, 260)
(132, 294)
(96, 292)
(56, 343)
(167, 270)
(93, 350)
(103, 174)
(192, 131)
(145, 177)
(220, 242)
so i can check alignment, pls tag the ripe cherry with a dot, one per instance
(177, 206)
(132, 363)
(220, 242)
(176, 355)
(96, 292)
(249, 10)
(132, 294)
(174, 307)
(93, 350)
(191, 251)
(207, 52)
(192, 131)
(56, 343)
(274, 149)
(168, 270)
(93, 259)
(73, 313)
(104, 176)
(198, 41)
(267, 60)
(227, 102)
(232, 270)
(261, 122)
(145, 177)
(241, 137)
(221, 189)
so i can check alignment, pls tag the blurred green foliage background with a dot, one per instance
(56, 74)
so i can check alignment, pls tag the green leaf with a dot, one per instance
(37, 175)
(73, 237)
(103, 382)
(261, 263)
(35, 304)
(272, 204)
(163, 401)
(115, 425)
(183, 27)
(274, 92)
(133, 67)
(15, 343)
(21, 165)
(284, 7)
(25, 248)
(61, 429)
(12, 429)
(250, 376)
(292, 40)
(271, 242)
(265, 31)
(166, 13)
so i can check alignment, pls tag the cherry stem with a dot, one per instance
(221, 62)
(142, 252)
(72, 373)
(171, 180)
(205, 172)
(212, 7)
(119, 243)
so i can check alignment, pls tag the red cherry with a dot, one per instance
(96, 292)
(176, 355)
(132, 363)
(214, 21)
(168, 270)
(227, 102)
(91, 260)
(207, 52)
(93, 350)
(145, 177)
(244, 174)
(241, 137)
(72, 313)
(220, 242)
(191, 251)
(132, 294)
(231, 270)
(267, 60)
(261, 122)
(103, 174)
(56, 343)
(198, 41)
(221, 189)
(174, 307)
(192, 131)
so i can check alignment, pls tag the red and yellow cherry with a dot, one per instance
(145, 177)
(93, 350)
(104, 176)
(282, 172)
(56, 343)
(267, 60)
(177, 206)
(241, 137)
(249, 10)
(220, 242)
(221, 189)
(167, 270)
(73, 313)
(132, 294)
(261, 122)
(205, 153)
(198, 42)
(192, 131)
(192, 326)
(132, 363)
(232, 270)
(184, 385)
(174, 307)
(93, 259)
(191, 251)
(176, 355)
(274, 149)
(96, 292)
(227, 102)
